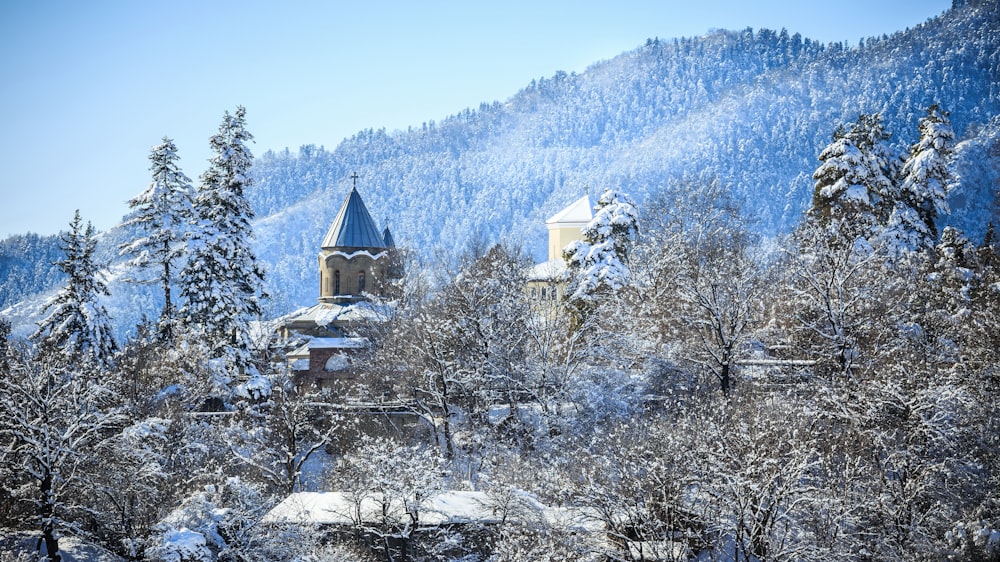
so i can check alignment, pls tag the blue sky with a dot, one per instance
(89, 87)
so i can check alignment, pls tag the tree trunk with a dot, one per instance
(47, 512)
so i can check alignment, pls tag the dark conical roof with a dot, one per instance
(353, 227)
(387, 238)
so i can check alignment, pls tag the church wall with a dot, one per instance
(351, 272)
(560, 237)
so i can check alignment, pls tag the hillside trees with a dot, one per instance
(160, 216)
(78, 330)
(221, 283)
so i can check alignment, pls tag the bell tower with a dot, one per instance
(354, 258)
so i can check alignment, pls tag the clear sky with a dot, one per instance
(89, 86)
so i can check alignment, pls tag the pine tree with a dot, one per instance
(221, 284)
(598, 264)
(923, 190)
(78, 330)
(854, 183)
(160, 214)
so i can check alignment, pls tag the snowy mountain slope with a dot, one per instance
(751, 109)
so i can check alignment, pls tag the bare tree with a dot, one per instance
(51, 421)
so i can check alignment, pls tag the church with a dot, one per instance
(356, 262)
(547, 280)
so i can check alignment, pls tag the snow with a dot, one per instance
(324, 314)
(364, 253)
(183, 545)
(449, 507)
(552, 270)
(257, 387)
(576, 214)
(339, 508)
(338, 343)
(337, 362)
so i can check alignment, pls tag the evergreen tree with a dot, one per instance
(598, 264)
(78, 330)
(854, 183)
(160, 214)
(221, 284)
(924, 187)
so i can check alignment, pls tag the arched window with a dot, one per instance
(361, 282)
(336, 282)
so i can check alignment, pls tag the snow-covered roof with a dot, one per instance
(552, 270)
(338, 343)
(324, 313)
(338, 508)
(300, 352)
(353, 227)
(356, 312)
(578, 213)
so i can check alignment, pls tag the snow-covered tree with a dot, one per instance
(78, 330)
(52, 420)
(489, 304)
(160, 217)
(721, 303)
(855, 180)
(222, 283)
(833, 297)
(598, 264)
(278, 431)
(923, 190)
(397, 479)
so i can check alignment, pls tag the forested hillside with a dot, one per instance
(750, 109)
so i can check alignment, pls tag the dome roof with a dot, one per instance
(353, 227)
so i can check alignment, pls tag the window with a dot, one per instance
(361, 282)
(336, 282)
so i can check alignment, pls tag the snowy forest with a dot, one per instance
(779, 338)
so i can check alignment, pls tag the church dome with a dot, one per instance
(353, 227)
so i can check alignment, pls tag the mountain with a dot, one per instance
(750, 109)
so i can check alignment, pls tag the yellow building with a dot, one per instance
(547, 280)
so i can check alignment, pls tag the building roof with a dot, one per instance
(553, 271)
(353, 227)
(323, 314)
(578, 213)
(338, 343)
(339, 508)
(442, 508)
(387, 238)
